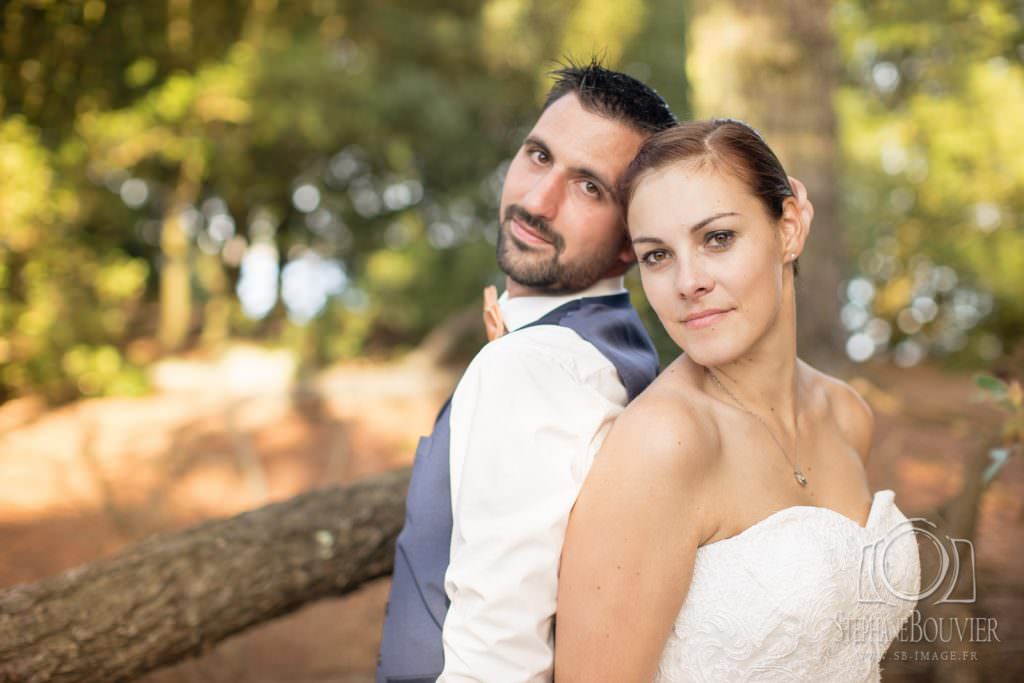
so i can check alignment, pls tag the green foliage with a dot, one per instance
(934, 181)
(58, 297)
(147, 140)
(993, 385)
(28, 180)
(1009, 397)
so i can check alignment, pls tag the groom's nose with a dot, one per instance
(544, 196)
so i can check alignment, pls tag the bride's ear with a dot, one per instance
(794, 224)
(802, 200)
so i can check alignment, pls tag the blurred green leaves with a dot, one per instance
(56, 295)
(148, 148)
(28, 179)
(934, 182)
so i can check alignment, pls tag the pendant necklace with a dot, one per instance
(800, 477)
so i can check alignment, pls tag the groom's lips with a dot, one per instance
(524, 233)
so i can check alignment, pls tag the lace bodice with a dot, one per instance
(806, 594)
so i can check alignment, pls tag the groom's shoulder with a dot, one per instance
(540, 345)
(535, 353)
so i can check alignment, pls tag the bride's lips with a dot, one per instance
(525, 234)
(706, 319)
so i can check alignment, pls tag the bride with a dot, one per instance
(726, 531)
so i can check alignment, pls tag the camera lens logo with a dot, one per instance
(885, 582)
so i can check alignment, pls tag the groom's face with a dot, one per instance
(561, 227)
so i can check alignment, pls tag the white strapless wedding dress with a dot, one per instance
(806, 594)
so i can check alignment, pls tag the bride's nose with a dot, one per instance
(692, 280)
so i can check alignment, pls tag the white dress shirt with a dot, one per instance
(526, 419)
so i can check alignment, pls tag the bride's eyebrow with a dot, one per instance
(693, 228)
(710, 219)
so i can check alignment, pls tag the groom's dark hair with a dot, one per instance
(611, 94)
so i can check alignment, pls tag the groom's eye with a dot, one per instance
(539, 156)
(592, 188)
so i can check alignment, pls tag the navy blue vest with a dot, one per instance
(411, 649)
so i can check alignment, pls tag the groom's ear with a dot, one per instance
(624, 259)
(626, 253)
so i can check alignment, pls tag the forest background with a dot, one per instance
(243, 243)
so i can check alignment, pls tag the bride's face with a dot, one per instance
(705, 243)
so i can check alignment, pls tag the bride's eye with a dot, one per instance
(720, 239)
(654, 257)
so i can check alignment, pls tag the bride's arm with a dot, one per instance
(630, 547)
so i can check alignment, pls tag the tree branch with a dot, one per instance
(177, 595)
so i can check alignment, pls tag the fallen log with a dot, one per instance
(176, 595)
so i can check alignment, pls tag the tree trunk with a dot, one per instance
(217, 309)
(175, 294)
(175, 596)
(773, 65)
(175, 248)
(957, 518)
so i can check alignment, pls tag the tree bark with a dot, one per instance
(175, 268)
(956, 518)
(176, 595)
(773, 65)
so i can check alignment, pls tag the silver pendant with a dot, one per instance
(800, 478)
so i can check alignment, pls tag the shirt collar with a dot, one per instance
(523, 310)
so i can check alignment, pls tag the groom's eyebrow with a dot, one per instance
(693, 228)
(581, 171)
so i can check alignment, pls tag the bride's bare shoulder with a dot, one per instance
(670, 418)
(852, 414)
(661, 449)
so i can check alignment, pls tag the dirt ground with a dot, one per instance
(85, 480)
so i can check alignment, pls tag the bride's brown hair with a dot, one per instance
(720, 144)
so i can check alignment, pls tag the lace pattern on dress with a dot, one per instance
(806, 594)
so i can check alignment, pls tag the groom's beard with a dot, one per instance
(541, 267)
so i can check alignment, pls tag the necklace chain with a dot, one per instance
(800, 477)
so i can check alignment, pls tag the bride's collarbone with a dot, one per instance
(754, 513)
(751, 489)
(746, 448)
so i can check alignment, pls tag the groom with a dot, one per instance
(476, 566)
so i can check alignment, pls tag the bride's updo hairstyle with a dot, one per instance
(723, 145)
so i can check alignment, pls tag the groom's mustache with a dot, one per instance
(536, 223)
